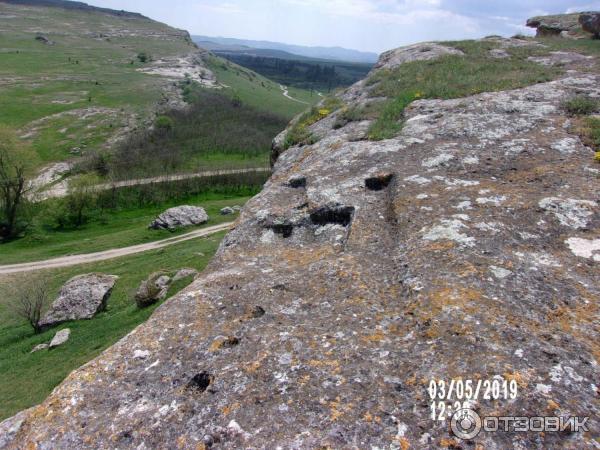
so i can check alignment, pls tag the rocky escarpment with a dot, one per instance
(466, 247)
(574, 25)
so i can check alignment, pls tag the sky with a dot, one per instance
(368, 25)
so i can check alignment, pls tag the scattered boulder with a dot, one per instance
(60, 338)
(39, 347)
(227, 211)
(184, 273)
(44, 40)
(590, 22)
(152, 289)
(180, 217)
(237, 208)
(80, 298)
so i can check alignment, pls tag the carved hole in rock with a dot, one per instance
(200, 381)
(378, 182)
(297, 182)
(340, 215)
(285, 229)
(257, 311)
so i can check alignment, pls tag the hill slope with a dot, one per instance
(77, 79)
(436, 222)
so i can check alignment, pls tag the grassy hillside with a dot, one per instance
(28, 378)
(83, 86)
(72, 80)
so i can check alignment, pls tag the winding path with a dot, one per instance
(73, 260)
(286, 94)
(61, 189)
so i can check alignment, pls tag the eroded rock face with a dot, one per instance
(418, 52)
(466, 247)
(590, 22)
(82, 297)
(180, 217)
(554, 25)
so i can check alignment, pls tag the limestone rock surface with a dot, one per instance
(467, 247)
(80, 298)
(590, 22)
(60, 338)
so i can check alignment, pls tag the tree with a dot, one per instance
(16, 163)
(30, 302)
(82, 196)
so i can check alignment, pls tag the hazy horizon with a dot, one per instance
(365, 25)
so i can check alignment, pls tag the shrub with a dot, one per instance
(164, 123)
(31, 300)
(143, 57)
(580, 105)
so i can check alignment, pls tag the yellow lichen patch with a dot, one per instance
(181, 441)
(368, 417)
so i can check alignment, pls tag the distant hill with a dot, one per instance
(73, 5)
(327, 53)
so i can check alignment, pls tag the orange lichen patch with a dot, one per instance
(181, 441)
(201, 446)
(337, 410)
(439, 246)
(552, 405)
(228, 409)
(404, 443)
(520, 378)
(336, 145)
(378, 336)
(449, 443)
(223, 342)
(301, 258)
(368, 417)
(255, 365)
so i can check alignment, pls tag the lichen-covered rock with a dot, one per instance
(184, 273)
(82, 297)
(227, 211)
(152, 289)
(467, 247)
(554, 25)
(180, 217)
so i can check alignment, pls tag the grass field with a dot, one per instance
(85, 87)
(28, 378)
(114, 229)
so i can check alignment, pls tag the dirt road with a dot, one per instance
(73, 260)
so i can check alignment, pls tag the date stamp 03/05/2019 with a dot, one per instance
(455, 399)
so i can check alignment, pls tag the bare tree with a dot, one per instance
(30, 302)
(15, 165)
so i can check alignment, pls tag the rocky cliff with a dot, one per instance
(464, 247)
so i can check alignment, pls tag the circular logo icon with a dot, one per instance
(466, 424)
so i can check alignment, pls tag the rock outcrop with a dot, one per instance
(567, 25)
(82, 297)
(465, 248)
(180, 217)
(590, 22)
